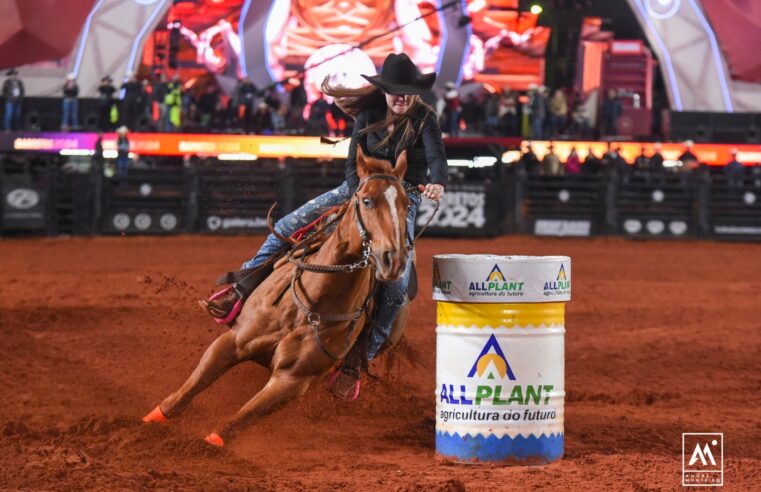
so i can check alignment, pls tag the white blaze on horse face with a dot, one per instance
(391, 195)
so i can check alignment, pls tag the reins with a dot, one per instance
(315, 319)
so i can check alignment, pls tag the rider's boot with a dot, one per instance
(225, 305)
(345, 381)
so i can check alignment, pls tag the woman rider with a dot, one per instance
(389, 118)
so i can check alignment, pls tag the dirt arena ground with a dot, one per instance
(662, 338)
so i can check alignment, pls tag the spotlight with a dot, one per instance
(536, 9)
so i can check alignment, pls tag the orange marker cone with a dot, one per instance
(156, 415)
(215, 440)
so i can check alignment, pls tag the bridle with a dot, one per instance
(315, 319)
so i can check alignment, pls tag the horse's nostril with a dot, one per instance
(388, 259)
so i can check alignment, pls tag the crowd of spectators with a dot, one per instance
(166, 104)
(537, 114)
(645, 166)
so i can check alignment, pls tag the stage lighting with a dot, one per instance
(536, 9)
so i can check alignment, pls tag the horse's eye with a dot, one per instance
(367, 202)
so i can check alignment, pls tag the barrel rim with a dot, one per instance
(474, 258)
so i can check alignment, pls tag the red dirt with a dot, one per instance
(663, 338)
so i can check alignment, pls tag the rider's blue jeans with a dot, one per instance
(391, 295)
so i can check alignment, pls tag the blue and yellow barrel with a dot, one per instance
(500, 357)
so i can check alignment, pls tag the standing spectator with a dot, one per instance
(131, 98)
(263, 119)
(207, 105)
(452, 110)
(97, 158)
(529, 160)
(611, 111)
(580, 120)
(491, 112)
(279, 119)
(272, 98)
(158, 98)
(573, 163)
(688, 159)
(298, 97)
(317, 122)
(473, 114)
(558, 108)
(616, 164)
(537, 105)
(734, 171)
(13, 94)
(173, 101)
(106, 105)
(122, 151)
(508, 114)
(656, 160)
(144, 105)
(70, 104)
(246, 96)
(551, 164)
(592, 164)
(642, 161)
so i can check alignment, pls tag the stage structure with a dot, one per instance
(487, 41)
(706, 53)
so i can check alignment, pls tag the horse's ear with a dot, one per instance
(400, 169)
(362, 170)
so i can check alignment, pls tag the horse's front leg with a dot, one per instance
(281, 389)
(222, 354)
(295, 365)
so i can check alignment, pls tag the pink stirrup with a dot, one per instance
(329, 384)
(233, 312)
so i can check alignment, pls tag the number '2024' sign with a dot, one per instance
(458, 210)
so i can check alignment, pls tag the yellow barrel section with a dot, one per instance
(500, 357)
(502, 315)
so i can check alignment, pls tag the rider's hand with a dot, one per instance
(432, 191)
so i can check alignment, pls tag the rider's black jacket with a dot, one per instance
(425, 152)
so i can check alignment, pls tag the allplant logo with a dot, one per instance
(440, 286)
(495, 275)
(702, 459)
(492, 392)
(488, 363)
(560, 286)
(496, 285)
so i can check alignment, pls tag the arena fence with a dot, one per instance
(42, 197)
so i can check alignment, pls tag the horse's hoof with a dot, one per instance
(215, 440)
(156, 416)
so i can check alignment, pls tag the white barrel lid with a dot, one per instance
(501, 279)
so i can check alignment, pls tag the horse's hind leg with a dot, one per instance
(222, 354)
(279, 390)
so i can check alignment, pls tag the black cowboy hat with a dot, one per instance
(12, 71)
(399, 76)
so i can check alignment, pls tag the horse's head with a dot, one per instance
(380, 205)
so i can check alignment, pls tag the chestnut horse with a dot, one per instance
(301, 335)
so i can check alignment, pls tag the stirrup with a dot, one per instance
(218, 305)
(344, 383)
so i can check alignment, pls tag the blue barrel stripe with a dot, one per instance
(492, 448)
